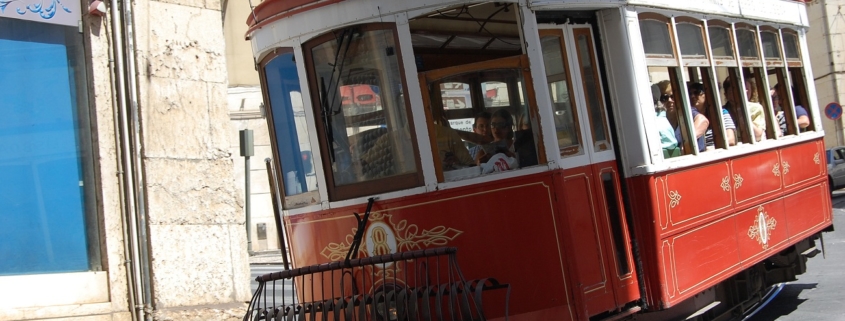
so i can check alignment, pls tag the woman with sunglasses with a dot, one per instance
(664, 128)
(699, 121)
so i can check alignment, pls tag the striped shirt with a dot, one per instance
(729, 124)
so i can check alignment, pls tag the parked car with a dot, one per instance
(836, 167)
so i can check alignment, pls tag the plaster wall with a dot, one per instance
(827, 53)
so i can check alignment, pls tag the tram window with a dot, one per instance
(567, 128)
(287, 123)
(495, 94)
(800, 98)
(785, 112)
(790, 45)
(592, 89)
(771, 49)
(732, 98)
(655, 35)
(747, 39)
(366, 139)
(703, 92)
(508, 144)
(691, 41)
(765, 127)
(720, 42)
(671, 117)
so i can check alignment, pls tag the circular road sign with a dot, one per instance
(833, 111)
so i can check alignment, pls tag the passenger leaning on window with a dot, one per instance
(755, 110)
(698, 99)
(699, 121)
(668, 142)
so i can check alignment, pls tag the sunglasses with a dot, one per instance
(665, 97)
(499, 125)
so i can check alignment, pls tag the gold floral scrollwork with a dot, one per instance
(776, 170)
(737, 181)
(726, 183)
(408, 237)
(785, 166)
(675, 199)
(817, 158)
(762, 228)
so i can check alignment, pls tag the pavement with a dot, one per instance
(266, 257)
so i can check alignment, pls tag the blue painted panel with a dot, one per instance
(42, 222)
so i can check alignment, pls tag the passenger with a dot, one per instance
(499, 155)
(699, 121)
(800, 112)
(698, 98)
(758, 120)
(524, 146)
(668, 142)
(481, 126)
(451, 149)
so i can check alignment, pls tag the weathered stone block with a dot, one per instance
(191, 192)
(198, 264)
(185, 43)
(176, 119)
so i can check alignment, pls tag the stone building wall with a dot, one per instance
(196, 227)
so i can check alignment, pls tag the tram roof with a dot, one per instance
(273, 10)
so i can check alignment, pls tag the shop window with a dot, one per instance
(369, 148)
(48, 207)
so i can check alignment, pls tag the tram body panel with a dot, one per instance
(497, 236)
(695, 255)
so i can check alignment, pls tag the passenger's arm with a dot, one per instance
(700, 123)
(803, 121)
(758, 132)
(474, 138)
(730, 135)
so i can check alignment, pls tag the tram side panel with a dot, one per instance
(701, 225)
(509, 229)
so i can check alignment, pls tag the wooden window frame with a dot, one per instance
(749, 61)
(661, 60)
(691, 60)
(607, 143)
(568, 151)
(723, 61)
(772, 61)
(519, 62)
(792, 62)
(373, 186)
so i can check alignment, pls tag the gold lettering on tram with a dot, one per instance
(379, 236)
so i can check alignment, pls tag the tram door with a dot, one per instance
(592, 196)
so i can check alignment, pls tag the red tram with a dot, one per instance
(652, 157)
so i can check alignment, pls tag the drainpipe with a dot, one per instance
(130, 257)
(129, 156)
(129, 39)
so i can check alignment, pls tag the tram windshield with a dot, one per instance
(365, 128)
